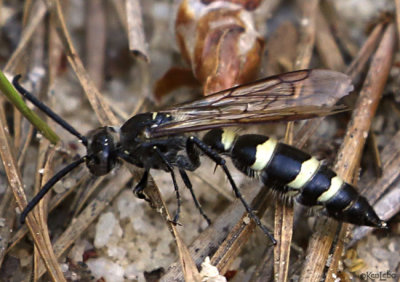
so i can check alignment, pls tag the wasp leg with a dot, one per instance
(138, 190)
(192, 153)
(220, 161)
(188, 184)
(171, 171)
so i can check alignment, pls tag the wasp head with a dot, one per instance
(102, 150)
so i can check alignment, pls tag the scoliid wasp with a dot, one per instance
(165, 140)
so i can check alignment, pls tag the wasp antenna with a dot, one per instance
(47, 110)
(48, 186)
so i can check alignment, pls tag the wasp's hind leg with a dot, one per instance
(139, 188)
(188, 184)
(170, 169)
(192, 140)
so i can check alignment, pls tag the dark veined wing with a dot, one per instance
(290, 96)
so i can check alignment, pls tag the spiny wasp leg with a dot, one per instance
(189, 185)
(171, 171)
(220, 161)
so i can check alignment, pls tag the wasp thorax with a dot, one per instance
(102, 150)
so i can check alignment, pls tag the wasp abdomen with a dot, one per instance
(294, 172)
(220, 139)
(290, 166)
(318, 184)
(357, 211)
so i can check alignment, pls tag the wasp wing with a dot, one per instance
(290, 96)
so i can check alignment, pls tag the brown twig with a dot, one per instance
(96, 41)
(137, 41)
(327, 47)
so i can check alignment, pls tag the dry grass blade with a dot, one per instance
(137, 41)
(15, 182)
(40, 212)
(326, 45)
(39, 13)
(210, 240)
(27, 10)
(96, 41)
(283, 230)
(340, 27)
(349, 157)
(359, 62)
(189, 269)
(307, 33)
(7, 211)
(99, 105)
(373, 148)
(88, 215)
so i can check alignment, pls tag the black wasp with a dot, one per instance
(164, 140)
